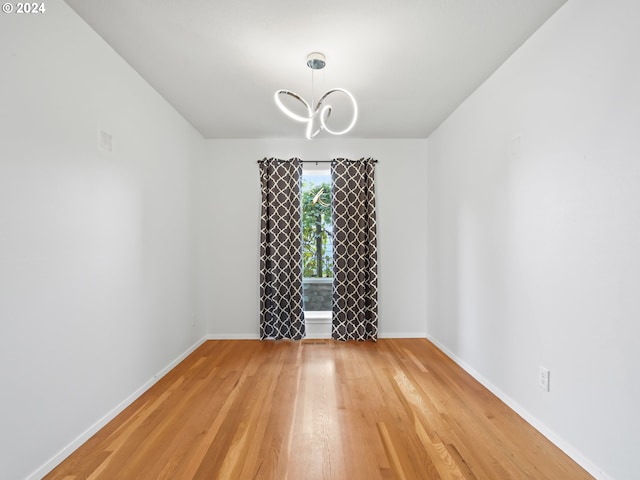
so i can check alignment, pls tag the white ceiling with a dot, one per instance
(409, 63)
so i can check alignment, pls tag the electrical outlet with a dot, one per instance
(543, 378)
(106, 141)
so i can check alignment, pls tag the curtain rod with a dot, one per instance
(313, 161)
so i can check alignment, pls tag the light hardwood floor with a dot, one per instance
(318, 410)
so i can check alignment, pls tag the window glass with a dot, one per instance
(317, 252)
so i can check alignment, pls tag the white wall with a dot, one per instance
(228, 206)
(95, 249)
(534, 254)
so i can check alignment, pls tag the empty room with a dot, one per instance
(320, 240)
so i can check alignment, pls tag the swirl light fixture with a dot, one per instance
(322, 112)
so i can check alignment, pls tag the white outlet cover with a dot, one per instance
(106, 141)
(544, 379)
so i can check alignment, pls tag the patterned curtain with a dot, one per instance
(281, 310)
(355, 250)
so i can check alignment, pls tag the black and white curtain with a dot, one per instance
(281, 307)
(355, 250)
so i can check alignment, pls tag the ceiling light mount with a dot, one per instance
(316, 61)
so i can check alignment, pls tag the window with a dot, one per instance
(317, 252)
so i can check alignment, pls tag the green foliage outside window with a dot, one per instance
(316, 230)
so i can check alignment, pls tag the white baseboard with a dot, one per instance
(311, 334)
(402, 335)
(233, 336)
(58, 458)
(559, 442)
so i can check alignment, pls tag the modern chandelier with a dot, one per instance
(320, 112)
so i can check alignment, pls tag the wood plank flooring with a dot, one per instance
(396, 409)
